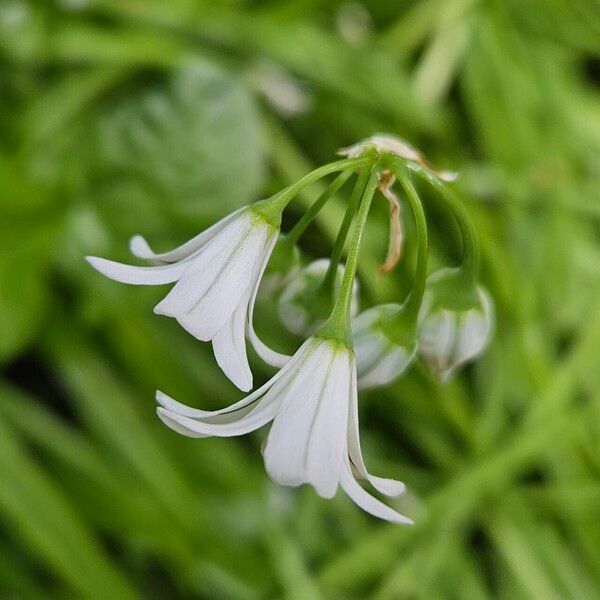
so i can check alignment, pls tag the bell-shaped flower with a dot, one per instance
(312, 403)
(305, 302)
(399, 147)
(383, 350)
(455, 325)
(216, 276)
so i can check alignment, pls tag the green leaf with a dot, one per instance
(16, 578)
(25, 251)
(22, 298)
(110, 410)
(193, 148)
(289, 564)
(49, 528)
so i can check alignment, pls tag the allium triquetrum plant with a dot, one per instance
(312, 401)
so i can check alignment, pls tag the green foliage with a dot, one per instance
(158, 118)
(199, 139)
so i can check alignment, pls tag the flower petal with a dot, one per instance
(284, 449)
(137, 275)
(204, 269)
(391, 365)
(176, 426)
(241, 417)
(140, 248)
(229, 347)
(474, 331)
(258, 416)
(327, 445)
(389, 487)
(172, 405)
(367, 502)
(370, 350)
(436, 339)
(214, 307)
(307, 440)
(379, 361)
(271, 357)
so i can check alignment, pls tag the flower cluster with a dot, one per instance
(312, 401)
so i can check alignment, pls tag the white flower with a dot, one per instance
(304, 305)
(217, 275)
(379, 359)
(313, 404)
(450, 337)
(395, 145)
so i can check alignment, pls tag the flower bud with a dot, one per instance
(305, 303)
(455, 323)
(384, 348)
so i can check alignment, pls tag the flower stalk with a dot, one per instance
(272, 208)
(470, 254)
(294, 235)
(338, 324)
(413, 304)
(340, 240)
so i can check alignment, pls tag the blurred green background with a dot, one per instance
(161, 116)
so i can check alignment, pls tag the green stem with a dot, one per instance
(300, 227)
(340, 240)
(416, 295)
(338, 325)
(272, 207)
(470, 257)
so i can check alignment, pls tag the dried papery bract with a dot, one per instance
(396, 236)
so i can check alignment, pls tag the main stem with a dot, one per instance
(317, 205)
(338, 324)
(416, 295)
(470, 256)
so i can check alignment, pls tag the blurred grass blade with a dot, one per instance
(109, 410)
(44, 521)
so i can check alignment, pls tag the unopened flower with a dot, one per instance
(381, 356)
(455, 328)
(305, 302)
(395, 145)
(313, 405)
(216, 276)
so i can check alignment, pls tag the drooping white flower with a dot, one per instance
(395, 145)
(380, 359)
(450, 336)
(313, 405)
(305, 304)
(216, 276)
